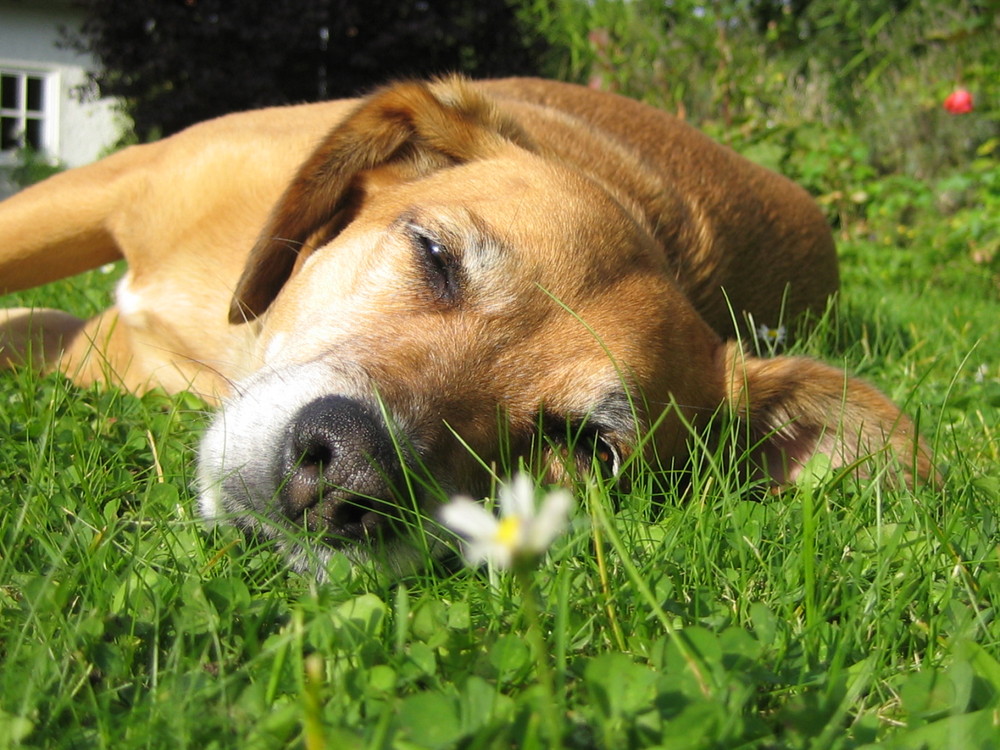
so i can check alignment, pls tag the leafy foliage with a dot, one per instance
(176, 63)
(29, 167)
(879, 70)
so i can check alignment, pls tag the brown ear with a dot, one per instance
(425, 126)
(796, 408)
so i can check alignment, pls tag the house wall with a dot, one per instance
(76, 132)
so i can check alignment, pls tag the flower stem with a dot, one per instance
(536, 639)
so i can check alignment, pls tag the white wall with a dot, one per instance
(29, 31)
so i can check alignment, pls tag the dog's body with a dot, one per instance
(441, 265)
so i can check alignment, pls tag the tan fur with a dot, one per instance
(604, 246)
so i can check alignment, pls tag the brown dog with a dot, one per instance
(449, 274)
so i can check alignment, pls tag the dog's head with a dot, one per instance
(438, 296)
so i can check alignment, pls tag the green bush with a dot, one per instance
(30, 166)
(878, 70)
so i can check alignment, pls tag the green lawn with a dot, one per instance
(831, 616)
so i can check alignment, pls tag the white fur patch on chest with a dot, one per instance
(130, 303)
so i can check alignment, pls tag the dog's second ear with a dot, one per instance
(425, 126)
(793, 408)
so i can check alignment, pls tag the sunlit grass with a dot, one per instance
(831, 615)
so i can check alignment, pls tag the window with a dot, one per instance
(24, 102)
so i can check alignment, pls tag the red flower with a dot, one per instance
(959, 102)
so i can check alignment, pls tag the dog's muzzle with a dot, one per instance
(306, 447)
(340, 472)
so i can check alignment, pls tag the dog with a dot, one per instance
(437, 280)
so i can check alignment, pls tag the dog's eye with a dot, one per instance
(602, 453)
(439, 267)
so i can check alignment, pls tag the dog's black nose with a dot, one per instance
(340, 471)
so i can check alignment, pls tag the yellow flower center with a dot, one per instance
(508, 531)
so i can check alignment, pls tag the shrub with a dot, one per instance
(878, 70)
(29, 167)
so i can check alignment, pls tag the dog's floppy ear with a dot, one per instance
(426, 126)
(795, 408)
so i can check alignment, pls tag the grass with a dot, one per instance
(839, 614)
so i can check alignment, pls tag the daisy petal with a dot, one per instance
(518, 497)
(482, 550)
(469, 519)
(550, 521)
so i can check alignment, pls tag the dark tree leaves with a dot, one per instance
(176, 62)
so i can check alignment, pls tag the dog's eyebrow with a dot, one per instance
(484, 248)
(484, 233)
(615, 415)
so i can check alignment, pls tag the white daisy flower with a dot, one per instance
(771, 336)
(522, 533)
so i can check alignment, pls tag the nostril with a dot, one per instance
(313, 452)
(306, 460)
(317, 454)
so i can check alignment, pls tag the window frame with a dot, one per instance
(47, 116)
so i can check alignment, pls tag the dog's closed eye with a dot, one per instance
(592, 449)
(441, 267)
(585, 443)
